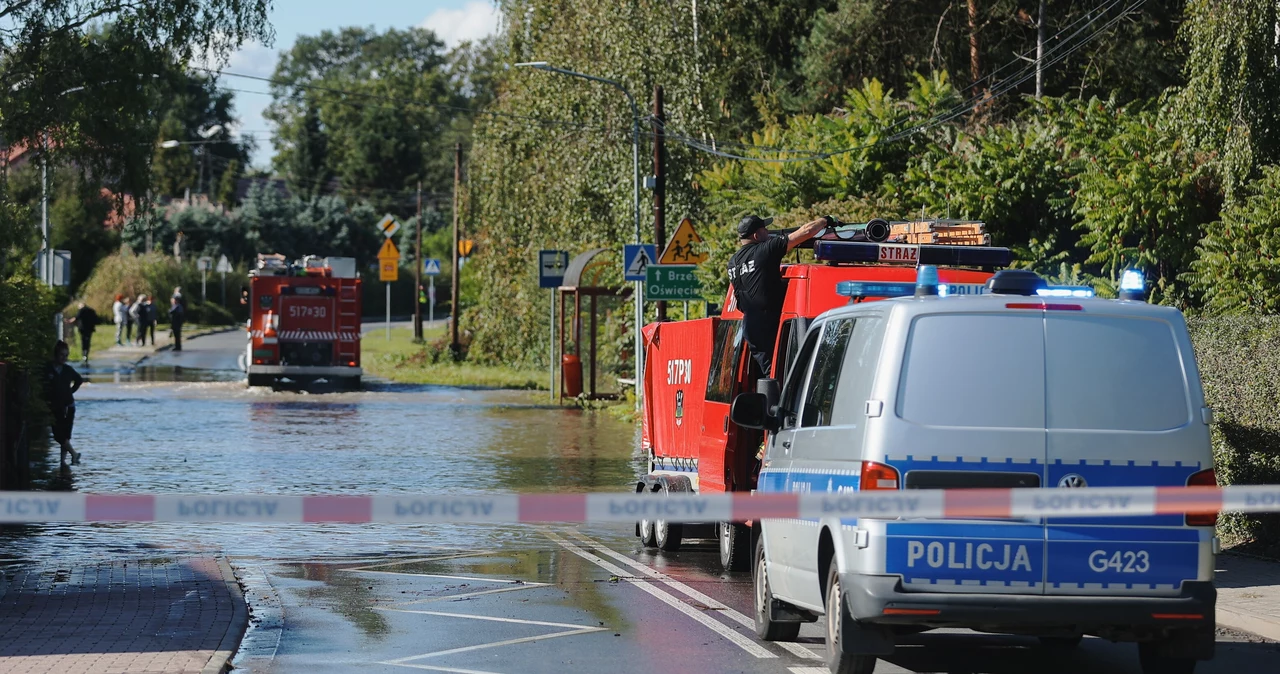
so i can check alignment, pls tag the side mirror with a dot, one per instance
(772, 390)
(751, 410)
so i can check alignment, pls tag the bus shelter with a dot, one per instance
(594, 276)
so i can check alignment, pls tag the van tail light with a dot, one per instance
(878, 476)
(1204, 478)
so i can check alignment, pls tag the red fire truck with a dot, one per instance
(304, 323)
(694, 368)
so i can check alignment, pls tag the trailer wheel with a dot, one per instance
(666, 535)
(735, 546)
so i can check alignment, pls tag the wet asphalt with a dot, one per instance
(460, 598)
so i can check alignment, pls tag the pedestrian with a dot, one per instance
(86, 321)
(61, 381)
(137, 315)
(153, 316)
(755, 271)
(177, 294)
(176, 316)
(120, 316)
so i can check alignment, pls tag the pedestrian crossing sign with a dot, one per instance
(431, 267)
(636, 258)
(684, 247)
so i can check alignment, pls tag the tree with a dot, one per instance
(307, 171)
(1238, 265)
(174, 169)
(1228, 108)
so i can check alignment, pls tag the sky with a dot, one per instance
(452, 20)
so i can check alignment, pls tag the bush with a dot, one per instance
(157, 275)
(1239, 360)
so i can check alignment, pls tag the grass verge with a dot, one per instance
(402, 360)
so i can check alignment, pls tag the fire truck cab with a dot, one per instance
(304, 323)
(695, 368)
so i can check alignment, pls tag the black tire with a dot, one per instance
(1153, 662)
(765, 628)
(667, 536)
(735, 546)
(1061, 644)
(839, 622)
(646, 534)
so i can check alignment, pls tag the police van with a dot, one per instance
(1025, 386)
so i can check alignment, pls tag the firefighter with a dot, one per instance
(755, 271)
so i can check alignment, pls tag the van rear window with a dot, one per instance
(1114, 373)
(974, 370)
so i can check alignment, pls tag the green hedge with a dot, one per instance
(157, 275)
(1239, 358)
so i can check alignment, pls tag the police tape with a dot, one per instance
(628, 507)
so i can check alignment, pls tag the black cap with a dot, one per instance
(748, 225)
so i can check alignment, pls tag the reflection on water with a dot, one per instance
(219, 436)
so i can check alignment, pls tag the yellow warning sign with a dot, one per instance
(388, 270)
(389, 251)
(465, 246)
(684, 247)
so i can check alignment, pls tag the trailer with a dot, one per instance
(304, 324)
(695, 368)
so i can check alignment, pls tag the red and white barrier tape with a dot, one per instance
(626, 507)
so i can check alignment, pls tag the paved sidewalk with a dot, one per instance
(136, 616)
(1249, 595)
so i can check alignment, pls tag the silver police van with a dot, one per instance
(1026, 386)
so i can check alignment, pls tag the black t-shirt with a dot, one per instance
(87, 319)
(755, 271)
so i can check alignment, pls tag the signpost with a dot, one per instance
(431, 267)
(388, 262)
(551, 268)
(203, 264)
(684, 247)
(223, 267)
(672, 282)
(636, 257)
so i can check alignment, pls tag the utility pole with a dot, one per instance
(417, 274)
(454, 346)
(975, 63)
(659, 185)
(1040, 49)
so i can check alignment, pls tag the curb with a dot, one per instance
(221, 660)
(1245, 622)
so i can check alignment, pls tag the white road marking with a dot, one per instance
(809, 670)
(466, 595)
(416, 560)
(728, 611)
(495, 619)
(438, 575)
(719, 628)
(434, 668)
(404, 662)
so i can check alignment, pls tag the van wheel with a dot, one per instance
(666, 535)
(735, 545)
(1153, 662)
(646, 533)
(839, 623)
(766, 628)
(1061, 644)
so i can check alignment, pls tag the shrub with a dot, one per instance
(1239, 358)
(157, 275)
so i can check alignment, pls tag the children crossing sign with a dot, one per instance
(684, 247)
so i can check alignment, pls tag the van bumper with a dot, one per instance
(881, 600)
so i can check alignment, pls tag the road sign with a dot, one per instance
(636, 257)
(671, 282)
(388, 226)
(431, 266)
(389, 251)
(204, 263)
(224, 265)
(551, 267)
(684, 246)
(465, 246)
(388, 270)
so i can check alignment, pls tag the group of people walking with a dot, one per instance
(129, 312)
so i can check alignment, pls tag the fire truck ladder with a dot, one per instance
(348, 325)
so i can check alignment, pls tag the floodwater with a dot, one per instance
(140, 431)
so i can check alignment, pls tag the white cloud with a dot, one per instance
(253, 59)
(474, 20)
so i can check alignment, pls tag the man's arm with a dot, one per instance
(78, 379)
(805, 233)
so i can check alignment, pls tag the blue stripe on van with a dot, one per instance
(1123, 474)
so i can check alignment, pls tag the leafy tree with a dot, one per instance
(228, 184)
(174, 168)
(307, 172)
(78, 215)
(1238, 265)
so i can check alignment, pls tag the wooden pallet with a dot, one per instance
(941, 232)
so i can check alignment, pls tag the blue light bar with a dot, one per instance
(1065, 291)
(957, 256)
(860, 289)
(1132, 280)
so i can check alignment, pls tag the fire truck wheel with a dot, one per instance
(646, 533)
(839, 625)
(766, 628)
(735, 545)
(667, 535)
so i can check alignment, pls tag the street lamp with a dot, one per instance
(635, 161)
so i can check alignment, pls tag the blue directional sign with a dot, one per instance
(551, 267)
(636, 257)
(431, 266)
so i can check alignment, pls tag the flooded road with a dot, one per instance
(460, 598)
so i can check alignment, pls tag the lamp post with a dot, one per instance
(206, 134)
(635, 161)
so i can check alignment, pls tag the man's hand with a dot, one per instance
(806, 232)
